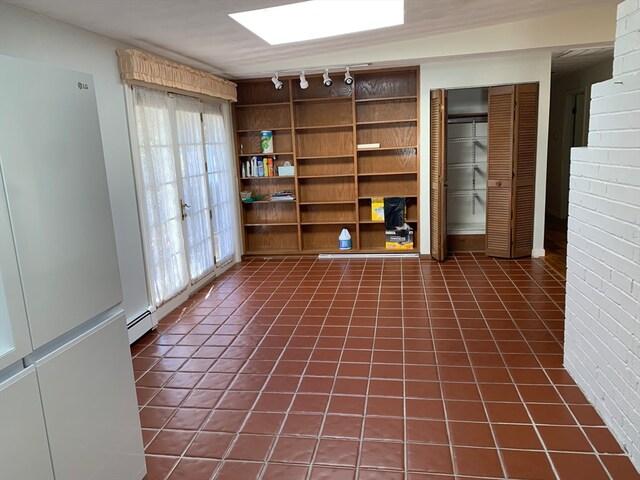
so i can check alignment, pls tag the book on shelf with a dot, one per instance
(283, 196)
(367, 146)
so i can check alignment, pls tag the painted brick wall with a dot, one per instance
(602, 345)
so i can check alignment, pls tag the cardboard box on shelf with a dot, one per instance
(400, 238)
(377, 209)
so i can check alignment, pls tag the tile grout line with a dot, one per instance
(293, 395)
(533, 422)
(213, 408)
(256, 340)
(454, 468)
(405, 457)
(371, 357)
(276, 363)
(308, 361)
(566, 405)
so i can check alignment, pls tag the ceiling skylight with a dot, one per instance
(314, 19)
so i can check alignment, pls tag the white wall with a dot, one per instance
(34, 37)
(532, 67)
(602, 340)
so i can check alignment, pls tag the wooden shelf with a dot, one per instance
(346, 222)
(324, 127)
(399, 172)
(270, 224)
(333, 250)
(382, 149)
(321, 99)
(386, 122)
(329, 202)
(323, 156)
(318, 129)
(388, 250)
(331, 175)
(259, 105)
(279, 129)
(264, 154)
(283, 177)
(373, 222)
(279, 202)
(383, 99)
(388, 195)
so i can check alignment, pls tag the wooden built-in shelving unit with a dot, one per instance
(317, 130)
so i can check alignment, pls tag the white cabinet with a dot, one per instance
(24, 453)
(89, 402)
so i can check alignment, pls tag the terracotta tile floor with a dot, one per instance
(371, 369)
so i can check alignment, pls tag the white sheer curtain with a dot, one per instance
(160, 196)
(221, 181)
(199, 237)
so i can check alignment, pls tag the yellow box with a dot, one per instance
(399, 240)
(377, 209)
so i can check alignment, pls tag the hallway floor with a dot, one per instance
(555, 244)
(300, 368)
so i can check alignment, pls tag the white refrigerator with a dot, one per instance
(67, 397)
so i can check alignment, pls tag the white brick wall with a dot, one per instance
(602, 346)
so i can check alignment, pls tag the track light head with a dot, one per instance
(277, 83)
(325, 78)
(348, 79)
(303, 81)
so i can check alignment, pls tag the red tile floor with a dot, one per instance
(300, 368)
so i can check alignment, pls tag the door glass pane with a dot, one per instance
(220, 181)
(199, 237)
(166, 257)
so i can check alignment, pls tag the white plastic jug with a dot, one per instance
(344, 240)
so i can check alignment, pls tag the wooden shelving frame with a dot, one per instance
(318, 130)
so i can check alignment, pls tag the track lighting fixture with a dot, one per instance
(277, 83)
(325, 78)
(348, 79)
(303, 81)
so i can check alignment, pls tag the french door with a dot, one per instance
(185, 185)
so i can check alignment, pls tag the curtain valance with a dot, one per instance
(142, 68)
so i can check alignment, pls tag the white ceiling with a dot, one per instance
(568, 61)
(201, 34)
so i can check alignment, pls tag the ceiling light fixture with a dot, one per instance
(314, 19)
(325, 78)
(277, 83)
(348, 79)
(303, 81)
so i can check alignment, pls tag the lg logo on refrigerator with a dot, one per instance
(83, 86)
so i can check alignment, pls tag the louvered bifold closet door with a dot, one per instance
(526, 123)
(438, 194)
(500, 170)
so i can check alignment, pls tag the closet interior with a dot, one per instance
(467, 168)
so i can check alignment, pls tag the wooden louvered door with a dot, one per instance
(438, 193)
(524, 169)
(511, 170)
(500, 171)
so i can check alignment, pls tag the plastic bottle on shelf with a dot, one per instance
(344, 240)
